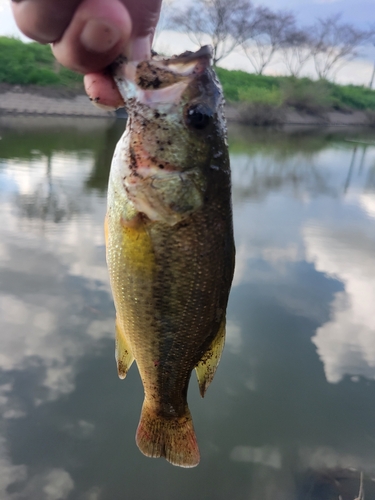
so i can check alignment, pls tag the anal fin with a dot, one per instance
(206, 367)
(123, 353)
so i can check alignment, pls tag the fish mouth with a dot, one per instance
(160, 80)
(190, 63)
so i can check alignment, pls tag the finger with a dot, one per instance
(43, 20)
(97, 34)
(102, 90)
(144, 15)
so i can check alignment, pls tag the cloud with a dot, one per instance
(53, 291)
(346, 343)
(367, 201)
(51, 484)
(9, 473)
(233, 338)
(268, 456)
(10, 406)
(325, 457)
(46, 317)
(81, 429)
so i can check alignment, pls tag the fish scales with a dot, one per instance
(169, 236)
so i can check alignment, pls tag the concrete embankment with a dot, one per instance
(20, 101)
(269, 116)
(51, 101)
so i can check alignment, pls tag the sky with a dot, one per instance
(360, 13)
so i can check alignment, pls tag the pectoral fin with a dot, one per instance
(123, 354)
(206, 367)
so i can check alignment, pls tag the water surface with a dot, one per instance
(291, 412)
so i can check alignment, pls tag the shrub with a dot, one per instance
(259, 114)
(306, 95)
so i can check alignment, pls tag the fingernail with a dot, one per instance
(99, 36)
(115, 104)
(104, 107)
(139, 49)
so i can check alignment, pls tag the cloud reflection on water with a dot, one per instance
(339, 242)
(346, 344)
(56, 313)
(267, 456)
(46, 318)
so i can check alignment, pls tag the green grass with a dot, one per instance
(300, 93)
(32, 63)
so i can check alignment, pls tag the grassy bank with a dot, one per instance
(271, 96)
(260, 99)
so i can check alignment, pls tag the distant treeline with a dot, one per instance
(264, 35)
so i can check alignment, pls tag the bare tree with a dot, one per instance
(266, 35)
(335, 44)
(222, 23)
(296, 50)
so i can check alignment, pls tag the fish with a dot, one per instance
(169, 241)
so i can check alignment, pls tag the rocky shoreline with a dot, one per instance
(55, 101)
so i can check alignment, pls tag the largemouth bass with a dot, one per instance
(169, 239)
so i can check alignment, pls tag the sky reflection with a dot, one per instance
(293, 400)
(290, 223)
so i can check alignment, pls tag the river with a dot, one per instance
(290, 414)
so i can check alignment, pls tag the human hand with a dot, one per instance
(87, 35)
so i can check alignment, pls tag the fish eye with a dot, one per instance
(198, 116)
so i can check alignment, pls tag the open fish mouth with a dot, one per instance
(159, 80)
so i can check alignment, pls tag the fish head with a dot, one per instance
(176, 132)
(175, 109)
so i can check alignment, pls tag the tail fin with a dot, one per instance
(171, 437)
